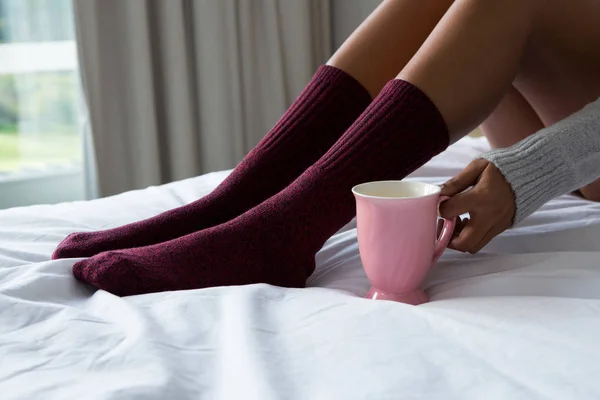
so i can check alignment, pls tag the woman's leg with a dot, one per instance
(559, 77)
(590, 191)
(372, 55)
(384, 43)
(472, 57)
(452, 83)
(512, 121)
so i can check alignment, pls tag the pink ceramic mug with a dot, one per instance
(397, 226)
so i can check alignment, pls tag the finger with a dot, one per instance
(464, 179)
(462, 203)
(458, 227)
(492, 233)
(470, 236)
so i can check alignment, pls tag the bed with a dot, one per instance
(521, 320)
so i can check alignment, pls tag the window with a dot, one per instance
(40, 103)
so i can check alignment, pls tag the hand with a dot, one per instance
(490, 203)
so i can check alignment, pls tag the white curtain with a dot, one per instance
(176, 88)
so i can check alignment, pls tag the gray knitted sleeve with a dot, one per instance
(552, 162)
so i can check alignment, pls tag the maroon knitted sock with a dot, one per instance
(276, 241)
(319, 116)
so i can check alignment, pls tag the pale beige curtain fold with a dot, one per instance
(176, 88)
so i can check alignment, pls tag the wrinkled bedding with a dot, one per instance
(521, 320)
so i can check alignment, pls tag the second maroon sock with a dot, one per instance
(319, 116)
(276, 241)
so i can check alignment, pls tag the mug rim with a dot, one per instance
(436, 192)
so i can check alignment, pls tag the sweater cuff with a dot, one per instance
(534, 173)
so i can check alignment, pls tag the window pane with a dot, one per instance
(39, 120)
(36, 20)
(39, 86)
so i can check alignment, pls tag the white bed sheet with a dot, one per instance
(519, 321)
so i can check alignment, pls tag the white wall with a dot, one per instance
(347, 15)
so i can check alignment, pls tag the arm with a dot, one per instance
(509, 184)
(554, 161)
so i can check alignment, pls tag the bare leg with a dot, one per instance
(387, 40)
(471, 58)
(512, 121)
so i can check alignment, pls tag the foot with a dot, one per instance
(205, 212)
(234, 253)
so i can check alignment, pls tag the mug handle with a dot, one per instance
(445, 235)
